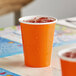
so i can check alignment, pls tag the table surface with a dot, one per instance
(15, 64)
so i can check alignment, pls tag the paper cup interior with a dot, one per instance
(21, 20)
(60, 54)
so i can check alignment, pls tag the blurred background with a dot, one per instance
(58, 8)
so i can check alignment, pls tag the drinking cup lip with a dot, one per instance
(60, 54)
(30, 17)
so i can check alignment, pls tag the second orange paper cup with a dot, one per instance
(68, 65)
(37, 42)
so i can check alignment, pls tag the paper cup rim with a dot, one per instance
(66, 58)
(29, 17)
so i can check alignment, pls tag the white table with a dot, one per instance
(69, 22)
(16, 64)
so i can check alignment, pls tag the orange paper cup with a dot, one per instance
(68, 65)
(37, 42)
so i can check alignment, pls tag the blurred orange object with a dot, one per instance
(68, 65)
(37, 42)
